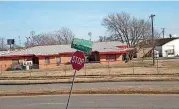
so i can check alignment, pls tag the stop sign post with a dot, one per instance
(77, 61)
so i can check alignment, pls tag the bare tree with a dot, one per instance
(127, 29)
(41, 39)
(3, 46)
(63, 36)
(101, 38)
(104, 38)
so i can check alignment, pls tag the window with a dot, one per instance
(110, 57)
(170, 52)
(47, 60)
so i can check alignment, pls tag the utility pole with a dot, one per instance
(143, 42)
(163, 31)
(152, 18)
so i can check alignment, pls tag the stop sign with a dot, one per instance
(78, 60)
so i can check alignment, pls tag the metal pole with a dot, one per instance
(71, 90)
(152, 16)
(153, 41)
(157, 66)
(133, 66)
(46, 70)
(85, 70)
(109, 68)
(1, 70)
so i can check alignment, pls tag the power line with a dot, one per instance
(152, 18)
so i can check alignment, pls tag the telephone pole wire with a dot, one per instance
(152, 18)
(163, 31)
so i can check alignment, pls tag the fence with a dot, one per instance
(134, 67)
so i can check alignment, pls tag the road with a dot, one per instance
(92, 102)
(88, 85)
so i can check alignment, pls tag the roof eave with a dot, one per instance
(17, 56)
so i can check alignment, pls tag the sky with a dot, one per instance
(19, 18)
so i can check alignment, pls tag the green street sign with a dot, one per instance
(82, 45)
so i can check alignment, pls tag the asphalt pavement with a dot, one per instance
(92, 102)
(88, 85)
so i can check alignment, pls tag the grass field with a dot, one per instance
(134, 67)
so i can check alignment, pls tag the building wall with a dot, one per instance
(118, 59)
(65, 58)
(53, 62)
(43, 65)
(7, 62)
(174, 44)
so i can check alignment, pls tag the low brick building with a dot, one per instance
(55, 55)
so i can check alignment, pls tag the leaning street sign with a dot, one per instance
(82, 45)
(77, 60)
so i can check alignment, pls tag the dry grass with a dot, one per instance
(165, 67)
(87, 80)
(101, 90)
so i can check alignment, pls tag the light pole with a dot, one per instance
(89, 34)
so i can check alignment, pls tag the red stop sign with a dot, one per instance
(78, 60)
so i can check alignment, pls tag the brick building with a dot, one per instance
(53, 55)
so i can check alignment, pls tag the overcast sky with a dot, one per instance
(19, 18)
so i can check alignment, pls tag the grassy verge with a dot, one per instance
(118, 90)
(88, 76)
(88, 80)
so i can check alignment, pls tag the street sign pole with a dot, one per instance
(71, 90)
(78, 58)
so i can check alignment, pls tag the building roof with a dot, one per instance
(158, 42)
(63, 49)
(5, 52)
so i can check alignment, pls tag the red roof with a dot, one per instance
(65, 53)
